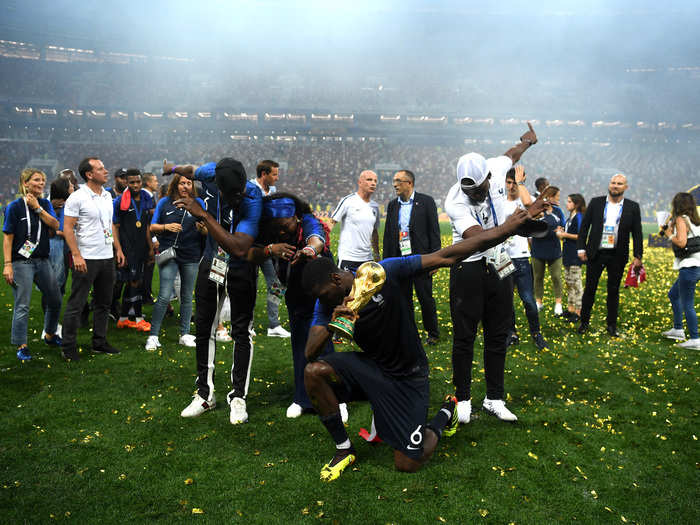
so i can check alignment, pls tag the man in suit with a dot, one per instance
(603, 243)
(411, 229)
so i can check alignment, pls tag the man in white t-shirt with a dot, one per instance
(359, 218)
(266, 175)
(88, 232)
(519, 252)
(481, 287)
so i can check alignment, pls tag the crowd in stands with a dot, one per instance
(324, 171)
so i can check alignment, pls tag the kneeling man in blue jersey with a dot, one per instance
(391, 371)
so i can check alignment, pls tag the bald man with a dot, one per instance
(359, 218)
(604, 243)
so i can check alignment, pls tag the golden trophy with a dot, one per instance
(369, 279)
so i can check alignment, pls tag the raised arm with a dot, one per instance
(529, 138)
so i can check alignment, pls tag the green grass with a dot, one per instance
(606, 433)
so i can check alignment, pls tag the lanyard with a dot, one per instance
(493, 214)
(29, 225)
(619, 213)
(105, 225)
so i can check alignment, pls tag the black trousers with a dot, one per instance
(614, 263)
(241, 288)
(423, 284)
(100, 274)
(477, 294)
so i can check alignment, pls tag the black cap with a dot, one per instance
(231, 180)
(120, 173)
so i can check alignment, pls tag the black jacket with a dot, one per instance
(592, 229)
(423, 227)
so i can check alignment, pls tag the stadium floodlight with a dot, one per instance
(152, 115)
(47, 111)
(576, 123)
(204, 114)
(605, 124)
(76, 112)
(666, 125)
(389, 118)
(462, 120)
(292, 117)
(553, 123)
(242, 116)
(24, 109)
(510, 122)
(181, 114)
(343, 118)
(488, 121)
(275, 117)
(322, 117)
(643, 125)
(119, 115)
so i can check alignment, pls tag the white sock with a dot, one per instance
(123, 318)
(344, 444)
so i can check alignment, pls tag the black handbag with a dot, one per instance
(692, 246)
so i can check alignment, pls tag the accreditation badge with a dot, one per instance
(219, 267)
(405, 243)
(500, 262)
(27, 249)
(109, 238)
(608, 240)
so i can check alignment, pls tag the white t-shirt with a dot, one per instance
(517, 246)
(94, 214)
(694, 258)
(463, 215)
(359, 219)
(611, 215)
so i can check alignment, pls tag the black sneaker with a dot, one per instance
(70, 354)
(612, 331)
(582, 328)
(105, 349)
(513, 339)
(540, 343)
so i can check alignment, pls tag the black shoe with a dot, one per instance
(432, 341)
(105, 349)
(513, 339)
(572, 317)
(612, 331)
(582, 328)
(70, 354)
(540, 343)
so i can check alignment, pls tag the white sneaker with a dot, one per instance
(539, 306)
(343, 412)
(198, 406)
(278, 331)
(152, 343)
(222, 336)
(464, 411)
(238, 411)
(294, 411)
(188, 340)
(692, 344)
(675, 333)
(497, 407)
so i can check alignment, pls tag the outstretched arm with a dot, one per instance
(475, 243)
(529, 138)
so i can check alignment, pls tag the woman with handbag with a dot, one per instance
(685, 242)
(181, 240)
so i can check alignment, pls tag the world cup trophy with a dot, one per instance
(369, 279)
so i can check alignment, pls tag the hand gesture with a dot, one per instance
(168, 167)
(306, 253)
(529, 136)
(173, 227)
(282, 250)
(342, 310)
(192, 206)
(519, 174)
(31, 201)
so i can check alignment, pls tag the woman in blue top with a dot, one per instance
(28, 221)
(576, 206)
(175, 227)
(546, 251)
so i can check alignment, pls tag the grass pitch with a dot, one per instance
(607, 432)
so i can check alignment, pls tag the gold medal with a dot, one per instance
(138, 224)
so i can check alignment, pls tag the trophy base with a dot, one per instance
(342, 327)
